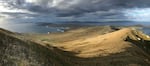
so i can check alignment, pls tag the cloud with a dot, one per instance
(77, 9)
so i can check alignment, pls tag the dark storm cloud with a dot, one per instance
(79, 7)
(75, 8)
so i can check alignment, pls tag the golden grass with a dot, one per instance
(92, 46)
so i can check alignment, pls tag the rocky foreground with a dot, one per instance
(80, 47)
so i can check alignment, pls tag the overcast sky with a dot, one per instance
(73, 10)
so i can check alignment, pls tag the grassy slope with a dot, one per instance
(59, 38)
(16, 52)
(82, 47)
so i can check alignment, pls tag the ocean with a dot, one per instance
(34, 27)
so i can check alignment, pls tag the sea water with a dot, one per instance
(33, 27)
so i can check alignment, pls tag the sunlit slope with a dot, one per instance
(107, 44)
(124, 47)
(71, 35)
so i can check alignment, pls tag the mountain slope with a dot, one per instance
(109, 43)
(125, 47)
(17, 52)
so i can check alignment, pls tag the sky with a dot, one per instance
(74, 10)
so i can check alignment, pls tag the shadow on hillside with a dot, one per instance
(130, 57)
(143, 44)
(17, 52)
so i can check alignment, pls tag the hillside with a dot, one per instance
(110, 43)
(18, 52)
(124, 47)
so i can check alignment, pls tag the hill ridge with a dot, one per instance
(118, 48)
(117, 40)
